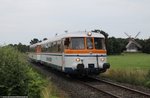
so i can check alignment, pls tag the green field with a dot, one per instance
(133, 68)
(130, 61)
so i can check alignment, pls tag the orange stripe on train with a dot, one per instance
(68, 51)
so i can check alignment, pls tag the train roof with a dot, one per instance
(66, 35)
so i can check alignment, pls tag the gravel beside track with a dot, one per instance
(74, 89)
(68, 85)
(116, 90)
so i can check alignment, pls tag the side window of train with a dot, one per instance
(59, 46)
(54, 47)
(44, 48)
(67, 43)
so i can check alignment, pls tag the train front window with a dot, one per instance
(89, 42)
(77, 43)
(99, 43)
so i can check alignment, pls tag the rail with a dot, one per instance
(118, 91)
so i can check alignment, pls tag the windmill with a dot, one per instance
(132, 45)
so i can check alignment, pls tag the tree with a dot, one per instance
(35, 40)
(44, 39)
(20, 47)
(115, 46)
(146, 46)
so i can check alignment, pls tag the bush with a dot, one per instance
(16, 77)
(12, 73)
(35, 83)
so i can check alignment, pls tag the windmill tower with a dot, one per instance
(132, 45)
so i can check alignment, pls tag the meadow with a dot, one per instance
(129, 61)
(133, 68)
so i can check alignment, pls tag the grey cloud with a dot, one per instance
(39, 18)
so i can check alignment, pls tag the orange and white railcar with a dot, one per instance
(73, 53)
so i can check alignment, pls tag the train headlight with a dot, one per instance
(78, 59)
(89, 33)
(102, 59)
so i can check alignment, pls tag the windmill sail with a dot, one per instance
(132, 45)
(137, 35)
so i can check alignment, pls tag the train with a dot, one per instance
(74, 53)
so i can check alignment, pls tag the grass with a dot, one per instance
(130, 61)
(51, 91)
(133, 68)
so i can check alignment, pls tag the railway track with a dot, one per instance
(70, 85)
(112, 89)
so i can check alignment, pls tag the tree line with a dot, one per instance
(114, 45)
(118, 45)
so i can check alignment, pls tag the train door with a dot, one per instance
(65, 45)
(93, 55)
(99, 44)
(62, 51)
(37, 53)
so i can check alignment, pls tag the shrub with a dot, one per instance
(12, 73)
(16, 77)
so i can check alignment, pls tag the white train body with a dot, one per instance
(73, 53)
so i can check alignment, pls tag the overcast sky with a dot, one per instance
(23, 20)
